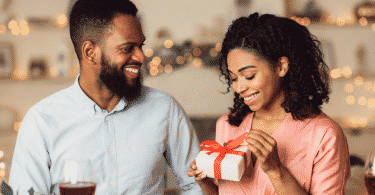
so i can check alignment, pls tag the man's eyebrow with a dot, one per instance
(244, 68)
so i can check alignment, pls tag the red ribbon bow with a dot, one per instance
(228, 148)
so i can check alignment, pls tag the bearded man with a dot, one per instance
(128, 131)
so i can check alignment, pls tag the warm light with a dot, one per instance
(1, 154)
(54, 71)
(340, 21)
(2, 173)
(362, 100)
(154, 71)
(180, 60)
(218, 47)
(358, 80)
(197, 52)
(335, 73)
(346, 72)
(363, 21)
(25, 30)
(16, 30)
(168, 43)
(156, 61)
(149, 53)
(12, 24)
(2, 165)
(213, 52)
(19, 74)
(197, 62)
(17, 126)
(188, 56)
(168, 68)
(62, 20)
(357, 121)
(350, 100)
(373, 27)
(368, 85)
(3, 29)
(371, 103)
(349, 88)
(331, 20)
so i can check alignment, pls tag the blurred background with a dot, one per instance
(183, 41)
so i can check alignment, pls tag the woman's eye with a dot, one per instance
(233, 79)
(249, 78)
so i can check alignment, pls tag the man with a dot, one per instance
(129, 132)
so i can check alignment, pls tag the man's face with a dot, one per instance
(122, 58)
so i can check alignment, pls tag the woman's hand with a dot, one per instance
(197, 173)
(264, 148)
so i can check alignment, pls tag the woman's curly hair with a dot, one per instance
(306, 84)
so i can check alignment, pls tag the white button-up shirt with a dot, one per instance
(129, 147)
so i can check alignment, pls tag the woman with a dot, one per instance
(280, 80)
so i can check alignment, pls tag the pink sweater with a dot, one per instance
(315, 152)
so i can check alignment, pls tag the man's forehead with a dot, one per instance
(128, 28)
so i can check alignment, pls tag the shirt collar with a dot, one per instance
(89, 105)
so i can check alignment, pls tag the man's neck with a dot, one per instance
(98, 92)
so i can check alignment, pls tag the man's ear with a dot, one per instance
(89, 51)
(283, 66)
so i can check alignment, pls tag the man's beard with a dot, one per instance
(116, 82)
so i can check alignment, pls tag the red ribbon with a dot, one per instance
(228, 148)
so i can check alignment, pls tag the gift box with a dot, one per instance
(223, 160)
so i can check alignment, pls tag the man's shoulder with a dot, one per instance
(156, 94)
(57, 99)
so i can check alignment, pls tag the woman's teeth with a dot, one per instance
(132, 70)
(251, 97)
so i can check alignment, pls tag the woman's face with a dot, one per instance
(254, 80)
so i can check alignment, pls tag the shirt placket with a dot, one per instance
(111, 156)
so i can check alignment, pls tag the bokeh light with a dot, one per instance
(168, 68)
(363, 21)
(213, 52)
(346, 72)
(197, 62)
(335, 73)
(12, 24)
(188, 56)
(3, 29)
(371, 103)
(349, 88)
(62, 20)
(350, 100)
(197, 52)
(1, 154)
(2, 165)
(358, 80)
(154, 71)
(362, 100)
(180, 60)
(168, 44)
(149, 53)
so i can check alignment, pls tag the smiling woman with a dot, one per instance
(280, 81)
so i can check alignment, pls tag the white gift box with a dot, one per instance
(232, 166)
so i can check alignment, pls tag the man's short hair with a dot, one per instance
(89, 20)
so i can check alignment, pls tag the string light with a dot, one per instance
(62, 20)
(180, 60)
(168, 68)
(346, 72)
(197, 62)
(1, 154)
(358, 81)
(362, 100)
(168, 44)
(349, 88)
(350, 100)
(363, 21)
(149, 53)
(335, 73)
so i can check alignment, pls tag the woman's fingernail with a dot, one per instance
(199, 171)
(194, 167)
(203, 176)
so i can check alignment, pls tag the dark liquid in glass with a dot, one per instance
(80, 188)
(370, 184)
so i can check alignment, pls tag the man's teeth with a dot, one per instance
(251, 97)
(132, 70)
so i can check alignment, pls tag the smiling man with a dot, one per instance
(128, 131)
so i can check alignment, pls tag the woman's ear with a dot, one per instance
(283, 66)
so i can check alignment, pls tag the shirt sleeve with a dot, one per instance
(182, 149)
(331, 168)
(30, 163)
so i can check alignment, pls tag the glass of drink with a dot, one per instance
(370, 174)
(77, 178)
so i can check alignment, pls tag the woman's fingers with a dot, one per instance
(195, 172)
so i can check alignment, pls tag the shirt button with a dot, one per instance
(107, 118)
(110, 149)
(112, 182)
